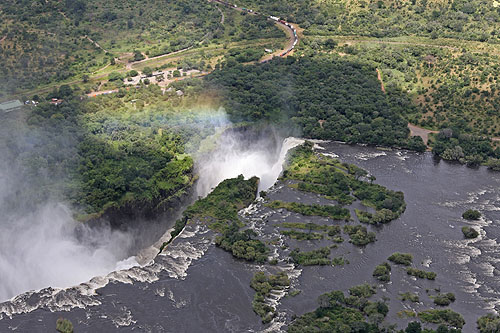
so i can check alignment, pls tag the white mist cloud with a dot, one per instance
(236, 155)
(41, 249)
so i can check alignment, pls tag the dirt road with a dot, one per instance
(421, 132)
(379, 76)
(288, 45)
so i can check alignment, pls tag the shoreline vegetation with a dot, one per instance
(360, 74)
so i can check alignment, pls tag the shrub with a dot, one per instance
(315, 257)
(444, 299)
(114, 76)
(446, 316)
(359, 235)
(489, 323)
(470, 232)
(421, 274)
(471, 214)
(409, 297)
(263, 285)
(64, 325)
(383, 272)
(401, 258)
(362, 290)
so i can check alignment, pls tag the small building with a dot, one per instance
(268, 50)
(179, 93)
(10, 105)
(56, 101)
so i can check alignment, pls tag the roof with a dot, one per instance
(10, 105)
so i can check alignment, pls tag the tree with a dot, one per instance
(414, 327)
(138, 56)
(148, 71)
(65, 91)
(132, 73)
(114, 76)
(85, 78)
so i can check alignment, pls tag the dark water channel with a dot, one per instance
(196, 287)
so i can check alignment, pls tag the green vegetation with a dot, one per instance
(264, 285)
(435, 19)
(452, 145)
(315, 257)
(470, 232)
(421, 274)
(337, 180)
(242, 245)
(408, 296)
(332, 231)
(401, 258)
(441, 54)
(109, 154)
(359, 235)
(493, 164)
(363, 290)
(382, 272)
(471, 214)
(64, 325)
(299, 235)
(304, 91)
(444, 299)
(446, 316)
(58, 40)
(220, 210)
(333, 212)
(488, 324)
(224, 202)
(337, 313)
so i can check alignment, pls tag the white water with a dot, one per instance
(46, 239)
(39, 249)
(233, 158)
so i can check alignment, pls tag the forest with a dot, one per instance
(111, 151)
(334, 100)
(476, 20)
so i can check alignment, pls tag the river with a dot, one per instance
(196, 287)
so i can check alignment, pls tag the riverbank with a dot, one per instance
(430, 226)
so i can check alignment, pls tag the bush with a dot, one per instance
(444, 299)
(333, 212)
(383, 272)
(421, 274)
(264, 285)
(359, 235)
(64, 326)
(401, 258)
(489, 323)
(115, 76)
(241, 244)
(447, 316)
(315, 257)
(470, 232)
(362, 290)
(409, 297)
(132, 73)
(148, 71)
(471, 214)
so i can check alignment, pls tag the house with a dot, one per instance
(10, 105)
(56, 101)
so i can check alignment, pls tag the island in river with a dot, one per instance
(194, 284)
